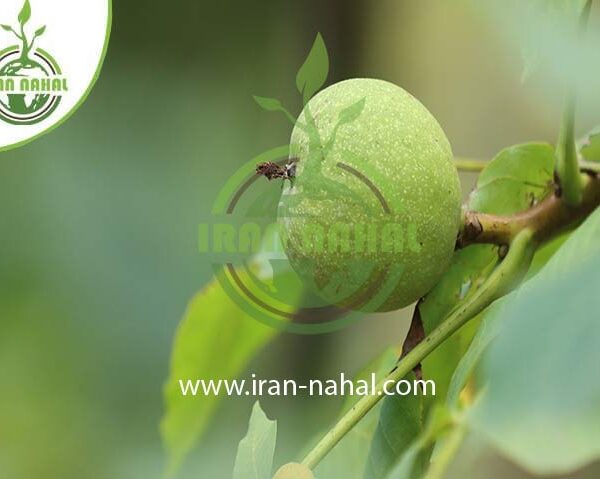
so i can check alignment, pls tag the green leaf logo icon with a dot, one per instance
(348, 115)
(37, 95)
(269, 104)
(25, 13)
(314, 71)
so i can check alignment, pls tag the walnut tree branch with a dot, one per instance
(547, 219)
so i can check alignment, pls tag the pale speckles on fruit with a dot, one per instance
(294, 471)
(397, 146)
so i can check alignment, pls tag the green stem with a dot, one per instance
(567, 164)
(502, 280)
(567, 167)
(288, 115)
(469, 164)
(474, 165)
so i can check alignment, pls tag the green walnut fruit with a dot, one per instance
(294, 471)
(370, 217)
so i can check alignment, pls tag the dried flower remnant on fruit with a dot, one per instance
(273, 171)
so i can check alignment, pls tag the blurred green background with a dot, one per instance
(98, 220)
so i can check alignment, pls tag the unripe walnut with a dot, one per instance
(370, 218)
(294, 471)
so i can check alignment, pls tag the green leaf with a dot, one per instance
(515, 179)
(349, 457)
(406, 468)
(400, 422)
(269, 104)
(351, 113)
(545, 253)
(541, 401)
(40, 31)
(408, 465)
(25, 13)
(313, 73)
(8, 28)
(215, 340)
(255, 453)
(529, 163)
(589, 147)
(508, 193)
(487, 331)
(580, 248)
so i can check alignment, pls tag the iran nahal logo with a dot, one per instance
(32, 83)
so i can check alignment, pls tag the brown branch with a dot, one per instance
(547, 219)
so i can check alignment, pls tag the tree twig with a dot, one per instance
(548, 218)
